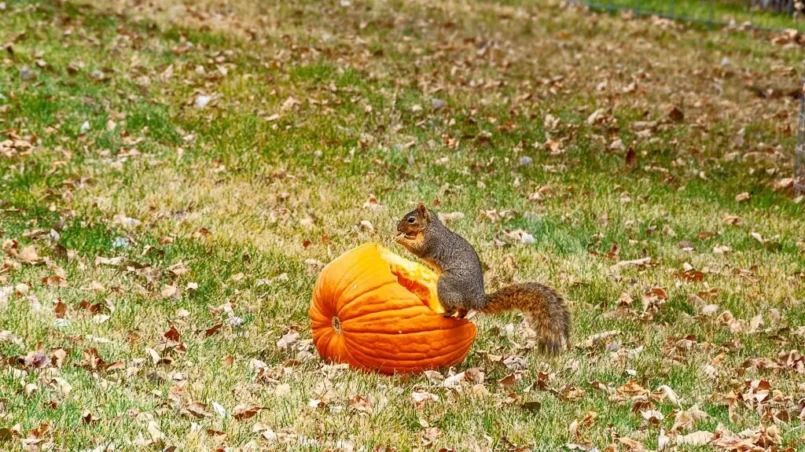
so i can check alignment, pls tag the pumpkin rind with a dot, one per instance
(381, 324)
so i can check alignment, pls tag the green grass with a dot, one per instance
(247, 191)
(725, 11)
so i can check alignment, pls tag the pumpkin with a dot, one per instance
(375, 310)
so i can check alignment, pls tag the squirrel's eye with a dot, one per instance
(411, 219)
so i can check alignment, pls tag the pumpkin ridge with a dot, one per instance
(444, 345)
(388, 364)
(357, 297)
(424, 358)
(397, 333)
(348, 357)
(430, 345)
(343, 274)
(399, 311)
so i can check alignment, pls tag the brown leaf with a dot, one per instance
(422, 398)
(632, 263)
(198, 410)
(598, 339)
(632, 389)
(690, 275)
(58, 356)
(36, 359)
(508, 380)
(676, 115)
(741, 197)
(614, 251)
(88, 417)
(60, 309)
(54, 281)
(732, 219)
(475, 375)
(783, 184)
(213, 329)
(241, 413)
(117, 365)
(571, 393)
(360, 404)
(631, 158)
(216, 434)
(533, 406)
(92, 359)
(172, 335)
(699, 438)
(169, 291)
(631, 445)
(179, 269)
(28, 255)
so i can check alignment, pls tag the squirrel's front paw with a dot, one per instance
(459, 313)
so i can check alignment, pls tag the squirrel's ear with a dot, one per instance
(422, 211)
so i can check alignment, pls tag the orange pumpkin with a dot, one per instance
(375, 310)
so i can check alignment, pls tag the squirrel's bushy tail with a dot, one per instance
(542, 307)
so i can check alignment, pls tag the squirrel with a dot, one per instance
(460, 287)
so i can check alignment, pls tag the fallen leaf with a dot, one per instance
(631, 158)
(155, 432)
(422, 398)
(665, 392)
(168, 291)
(531, 406)
(60, 309)
(213, 329)
(508, 380)
(453, 381)
(676, 115)
(240, 412)
(28, 255)
(172, 335)
(288, 339)
(631, 445)
(699, 438)
(598, 339)
(631, 263)
(662, 440)
(58, 356)
(360, 404)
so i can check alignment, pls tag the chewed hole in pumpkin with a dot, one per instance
(416, 278)
(417, 288)
(336, 324)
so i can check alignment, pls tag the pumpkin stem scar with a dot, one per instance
(336, 324)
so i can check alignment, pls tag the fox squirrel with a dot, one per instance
(461, 280)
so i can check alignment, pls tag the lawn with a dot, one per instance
(736, 13)
(174, 175)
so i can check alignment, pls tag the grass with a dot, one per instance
(313, 108)
(727, 11)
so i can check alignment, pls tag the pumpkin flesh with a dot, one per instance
(375, 310)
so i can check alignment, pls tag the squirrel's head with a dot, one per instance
(411, 228)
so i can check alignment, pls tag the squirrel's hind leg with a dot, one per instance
(451, 299)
